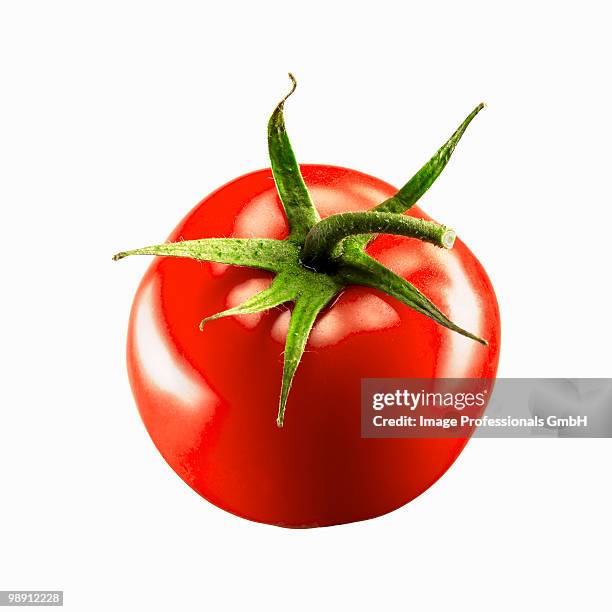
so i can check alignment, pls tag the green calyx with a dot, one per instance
(319, 258)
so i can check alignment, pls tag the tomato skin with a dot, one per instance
(209, 399)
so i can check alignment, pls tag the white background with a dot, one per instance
(117, 117)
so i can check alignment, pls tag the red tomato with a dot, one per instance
(209, 399)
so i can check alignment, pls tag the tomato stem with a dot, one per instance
(294, 196)
(324, 238)
(414, 189)
(263, 253)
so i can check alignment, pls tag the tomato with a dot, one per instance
(209, 399)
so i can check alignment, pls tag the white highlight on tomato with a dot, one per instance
(403, 262)
(464, 309)
(261, 218)
(160, 361)
(347, 317)
(364, 313)
(242, 292)
(217, 269)
(327, 201)
(280, 327)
